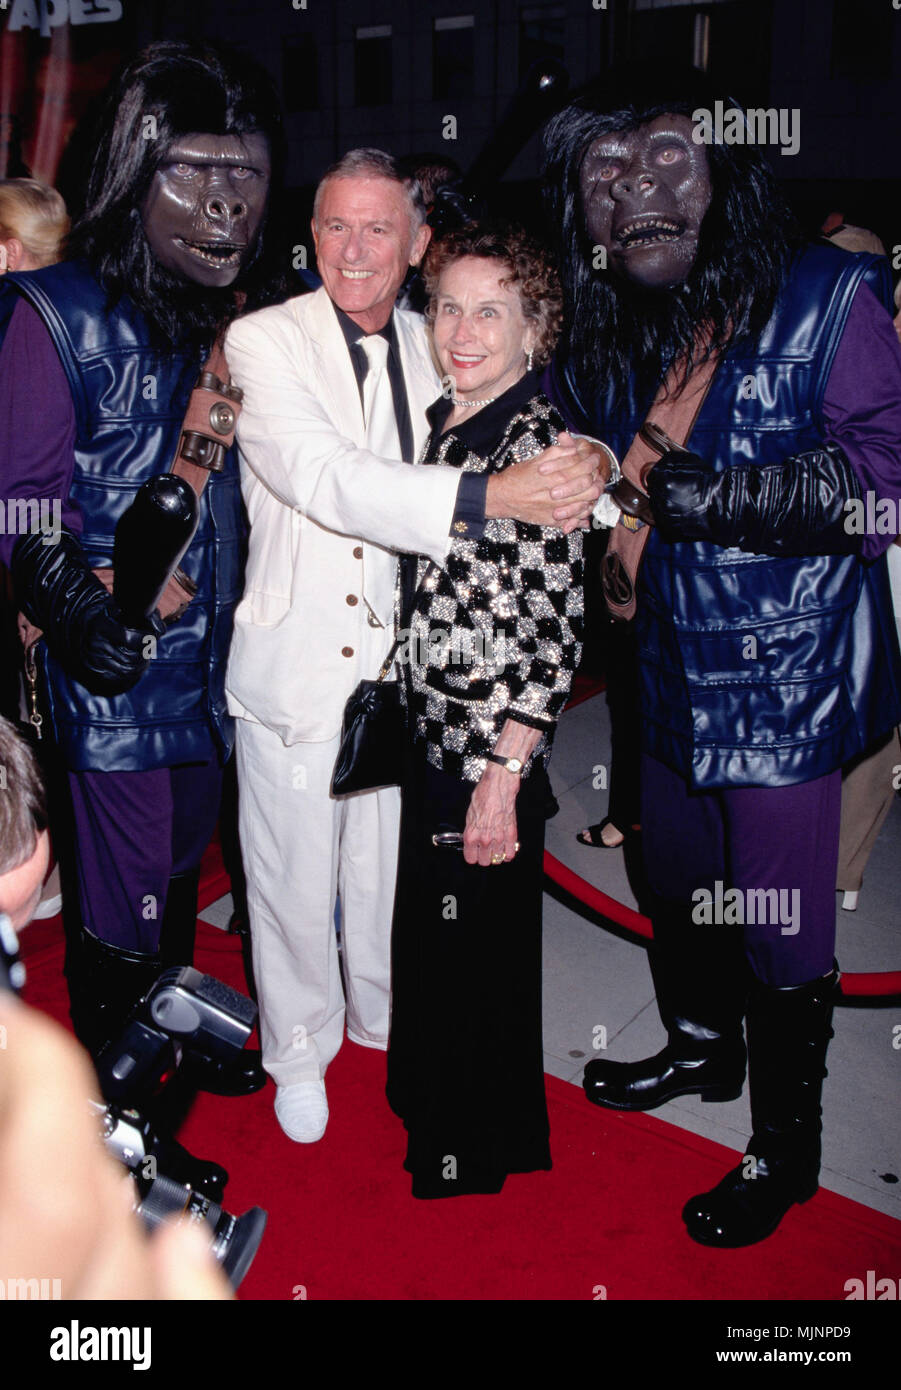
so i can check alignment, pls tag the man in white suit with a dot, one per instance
(332, 419)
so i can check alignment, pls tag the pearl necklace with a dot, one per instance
(464, 405)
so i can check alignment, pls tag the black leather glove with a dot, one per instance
(796, 507)
(82, 624)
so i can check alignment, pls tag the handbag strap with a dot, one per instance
(668, 425)
(401, 621)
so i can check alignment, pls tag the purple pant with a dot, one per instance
(777, 846)
(133, 831)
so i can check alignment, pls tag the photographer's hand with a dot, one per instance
(65, 1204)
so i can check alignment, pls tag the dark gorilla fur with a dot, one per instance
(187, 87)
(615, 328)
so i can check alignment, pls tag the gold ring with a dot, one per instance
(498, 858)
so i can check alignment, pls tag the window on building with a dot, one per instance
(709, 36)
(541, 35)
(453, 57)
(372, 66)
(300, 73)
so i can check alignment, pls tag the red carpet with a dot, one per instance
(342, 1223)
(584, 688)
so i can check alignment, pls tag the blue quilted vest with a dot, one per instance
(130, 400)
(757, 671)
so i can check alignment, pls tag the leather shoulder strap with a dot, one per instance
(668, 425)
(208, 430)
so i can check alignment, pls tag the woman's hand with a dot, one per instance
(490, 833)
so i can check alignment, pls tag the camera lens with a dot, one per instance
(233, 1240)
(240, 1243)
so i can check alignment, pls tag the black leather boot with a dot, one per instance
(105, 984)
(700, 976)
(245, 1074)
(788, 1034)
(178, 928)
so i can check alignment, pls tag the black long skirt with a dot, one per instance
(465, 1068)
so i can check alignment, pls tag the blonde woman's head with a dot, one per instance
(33, 224)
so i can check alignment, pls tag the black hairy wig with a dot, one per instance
(614, 327)
(186, 87)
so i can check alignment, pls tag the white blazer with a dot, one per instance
(327, 517)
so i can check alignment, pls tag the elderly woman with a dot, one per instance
(33, 225)
(494, 639)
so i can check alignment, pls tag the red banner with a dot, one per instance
(56, 56)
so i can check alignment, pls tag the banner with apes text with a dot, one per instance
(56, 58)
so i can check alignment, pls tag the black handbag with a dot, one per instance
(372, 736)
(374, 730)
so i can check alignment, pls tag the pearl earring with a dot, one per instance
(529, 360)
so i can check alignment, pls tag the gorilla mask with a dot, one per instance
(645, 192)
(205, 205)
(175, 217)
(693, 233)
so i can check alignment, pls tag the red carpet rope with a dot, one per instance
(873, 985)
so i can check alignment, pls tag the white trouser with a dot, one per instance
(300, 845)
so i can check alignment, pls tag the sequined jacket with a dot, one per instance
(496, 632)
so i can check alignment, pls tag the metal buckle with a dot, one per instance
(202, 450)
(632, 501)
(222, 417)
(208, 381)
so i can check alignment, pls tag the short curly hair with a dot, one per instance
(531, 272)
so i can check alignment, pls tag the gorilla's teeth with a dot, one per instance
(649, 230)
(224, 256)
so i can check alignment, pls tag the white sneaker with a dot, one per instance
(302, 1111)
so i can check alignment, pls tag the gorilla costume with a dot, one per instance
(767, 650)
(100, 357)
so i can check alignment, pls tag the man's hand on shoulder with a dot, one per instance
(558, 487)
